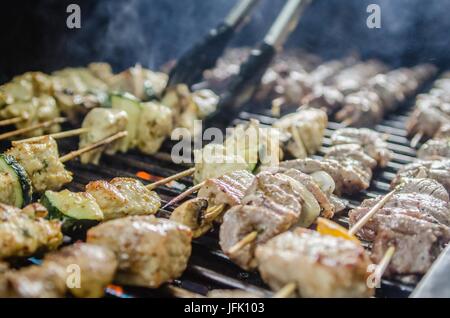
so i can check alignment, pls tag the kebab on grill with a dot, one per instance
(35, 166)
(415, 221)
(432, 111)
(25, 232)
(96, 265)
(149, 251)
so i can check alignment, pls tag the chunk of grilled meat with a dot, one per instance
(40, 159)
(102, 123)
(416, 205)
(434, 149)
(34, 282)
(361, 109)
(150, 251)
(242, 220)
(324, 97)
(96, 266)
(351, 152)
(438, 170)
(24, 232)
(349, 179)
(424, 186)
(122, 197)
(417, 244)
(371, 141)
(228, 189)
(320, 265)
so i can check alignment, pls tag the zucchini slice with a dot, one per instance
(21, 185)
(77, 210)
(132, 107)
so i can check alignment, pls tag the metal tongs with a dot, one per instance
(202, 56)
(244, 84)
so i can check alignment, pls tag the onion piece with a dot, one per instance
(310, 206)
(324, 181)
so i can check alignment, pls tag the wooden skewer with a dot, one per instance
(11, 121)
(79, 152)
(177, 176)
(183, 195)
(286, 291)
(249, 238)
(21, 131)
(415, 140)
(384, 263)
(60, 135)
(358, 225)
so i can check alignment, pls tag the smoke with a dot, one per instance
(151, 32)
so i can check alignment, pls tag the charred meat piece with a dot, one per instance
(24, 232)
(97, 266)
(228, 189)
(430, 113)
(40, 159)
(438, 170)
(421, 206)
(371, 141)
(351, 152)
(417, 244)
(425, 186)
(149, 251)
(242, 220)
(361, 109)
(435, 149)
(324, 97)
(349, 179)
(122, 197)
(320, 265)
(102, 123)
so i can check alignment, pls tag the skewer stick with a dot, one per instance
(358, 225)
(415, 140)
(177, 176)
(60, 135)
(249, 238)
(347, 122)
(11, 121)
(382, 266)
(21, 131)
(184, 194)
(101, 143)
(286, 291)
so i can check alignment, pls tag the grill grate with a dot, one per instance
(208, 267)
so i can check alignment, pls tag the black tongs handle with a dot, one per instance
(244, 84)
(203, 55)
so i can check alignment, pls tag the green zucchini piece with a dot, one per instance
(77, 210)
(21, 184)
(132, 106)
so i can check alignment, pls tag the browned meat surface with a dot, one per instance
(361, 109)
(320, 265)
(430, 113)
(415, 205)
(434, 149)
(328, 98)
(417, 244)
(25, 232)
(425, 186)
(349, 179)
(97, 267)
(438, 170)
(371, 141)
(228, 189)
(354, 152)
(149, 251)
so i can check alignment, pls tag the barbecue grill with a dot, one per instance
(208, 267)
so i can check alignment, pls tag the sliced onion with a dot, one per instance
(310, 206)
(324, 181)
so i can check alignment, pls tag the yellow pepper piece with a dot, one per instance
(328, 227)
